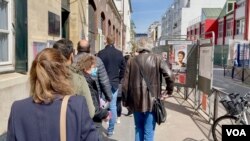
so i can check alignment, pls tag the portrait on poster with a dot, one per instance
(179, 65)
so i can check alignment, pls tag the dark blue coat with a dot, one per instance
(114, 63)
(29, 121)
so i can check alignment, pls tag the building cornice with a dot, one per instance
(114, 9)
(130, 6)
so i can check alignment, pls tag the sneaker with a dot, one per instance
(109, 134)
(118, 120)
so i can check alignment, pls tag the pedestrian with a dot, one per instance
(102, 79)
(114, 64)
(138, 96)
(80, 85)
(37, 118)
(87, 64)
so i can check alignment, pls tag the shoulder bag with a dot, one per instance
(64, 105)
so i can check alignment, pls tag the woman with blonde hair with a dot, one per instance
(37, 118)
(87, 64)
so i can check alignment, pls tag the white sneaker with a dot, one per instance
(118, 120)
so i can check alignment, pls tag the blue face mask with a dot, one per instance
(94, 72)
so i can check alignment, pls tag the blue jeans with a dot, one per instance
(113, 110)
(144, 126)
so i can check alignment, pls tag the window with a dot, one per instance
(109, 27)
(5, 35)
(230, 7)
(102, 22)
(198, 31)
(220, 29)
(240, 27)
(203, 31)
(54, 24)
(229, 27)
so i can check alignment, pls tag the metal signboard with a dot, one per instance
(180, 42)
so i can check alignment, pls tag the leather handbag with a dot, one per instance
(64, 105)
(159, 110)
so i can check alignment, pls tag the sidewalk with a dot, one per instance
(183, 124)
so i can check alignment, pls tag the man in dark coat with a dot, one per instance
(138, 96)
(115, 65)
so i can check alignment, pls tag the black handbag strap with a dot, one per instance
(144, 76)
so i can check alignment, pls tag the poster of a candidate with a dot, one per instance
(238, 54)
(179, 66)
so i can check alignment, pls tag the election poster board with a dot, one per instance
(238, 54)
(205, 68)
(38, 47)
(205, 65)
(178, 58)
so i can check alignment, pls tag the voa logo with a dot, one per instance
(236, 132)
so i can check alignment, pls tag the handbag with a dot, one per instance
(158, 110)
(64, 105)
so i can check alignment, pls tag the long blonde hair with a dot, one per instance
(49, 76)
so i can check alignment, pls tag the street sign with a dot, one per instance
(206, 41)
(180, 42)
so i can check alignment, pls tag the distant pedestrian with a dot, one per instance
(37, 118)
(114, 64)
(80, 85)
(138, 96)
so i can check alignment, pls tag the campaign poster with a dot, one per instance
(238, 54)
(38, 47)
(205, 64)
(179, 65)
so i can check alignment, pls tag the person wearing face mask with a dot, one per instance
(87, 64)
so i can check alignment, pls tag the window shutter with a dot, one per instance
(21, 46)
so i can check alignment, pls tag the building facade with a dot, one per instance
(231, 24)
(154, 32)
(125, 9)
(199, 27)
(103, 19)
(176, 19)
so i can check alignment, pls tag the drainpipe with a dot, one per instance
(122, 23)
(234, 19)
(246, 19)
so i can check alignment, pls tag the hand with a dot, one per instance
(164, 95)
(106, 119)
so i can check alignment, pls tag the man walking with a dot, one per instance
(138, 96)
(114, 63)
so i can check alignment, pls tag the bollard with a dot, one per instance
(216, 104)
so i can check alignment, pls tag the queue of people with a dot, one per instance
(87, 79)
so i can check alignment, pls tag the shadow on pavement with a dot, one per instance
(179, 108)
(203, 125)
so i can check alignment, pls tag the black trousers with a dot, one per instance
(119, 106)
